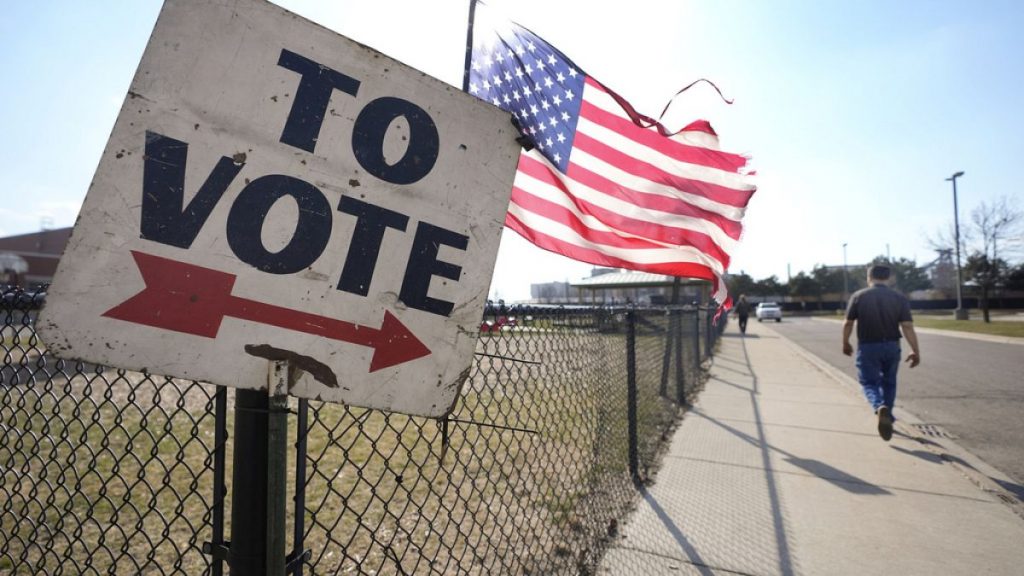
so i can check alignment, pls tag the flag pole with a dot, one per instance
(469, 46)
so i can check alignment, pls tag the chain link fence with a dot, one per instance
(566, 410)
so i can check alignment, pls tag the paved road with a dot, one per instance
(972, 389)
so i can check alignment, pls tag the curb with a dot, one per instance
(977, 471)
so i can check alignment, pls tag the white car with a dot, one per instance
(768, 311)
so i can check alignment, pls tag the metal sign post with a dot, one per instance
(258, 533)
(277, 466)
(247, 554)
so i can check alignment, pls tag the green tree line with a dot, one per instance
(829, 282)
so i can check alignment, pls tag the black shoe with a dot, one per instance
(885, 423)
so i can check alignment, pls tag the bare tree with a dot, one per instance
(945, 239)
(999, 226)
(998, 229)
(994, 231)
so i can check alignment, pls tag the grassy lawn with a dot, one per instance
(96, 464)
(995, 328)
(1008, 328)
(536, 448)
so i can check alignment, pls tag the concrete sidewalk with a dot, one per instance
(778, 469)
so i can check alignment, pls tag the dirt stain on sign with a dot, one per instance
(297, 363)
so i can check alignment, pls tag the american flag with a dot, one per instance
(604, 184)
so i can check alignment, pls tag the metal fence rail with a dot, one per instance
(565, 410)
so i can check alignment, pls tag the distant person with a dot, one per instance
(879, 313)
(743, 312)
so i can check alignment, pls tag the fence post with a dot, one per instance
(631, 396)
(299, 554)
(248, 552)
(216, 547)
(666, 361)
(709, 345)
(277, 466)
(696, 341)
(219, 465)
(677, 316)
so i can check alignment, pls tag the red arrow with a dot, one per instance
(191, 299)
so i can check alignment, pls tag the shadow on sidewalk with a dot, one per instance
(1013, 488)
(817, 468)
(684, 544)
(778, 521)
(925, 455)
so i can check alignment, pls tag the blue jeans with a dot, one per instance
(877, 363)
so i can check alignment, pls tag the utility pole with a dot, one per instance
(846, 278)
(960, 313)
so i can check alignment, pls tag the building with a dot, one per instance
(551, 293)
(942, 273)
(39, 251)
(615, 287)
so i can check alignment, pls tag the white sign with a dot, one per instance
(274, 191)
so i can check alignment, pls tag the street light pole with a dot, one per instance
(960, 313)
(846, 278)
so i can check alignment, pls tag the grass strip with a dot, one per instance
(1007, 328)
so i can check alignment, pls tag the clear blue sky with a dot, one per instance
(854, 112)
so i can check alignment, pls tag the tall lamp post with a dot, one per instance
(960, 313)
(846, 278)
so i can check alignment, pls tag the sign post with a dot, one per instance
(274, 194)
(247, 554)
(277, 466)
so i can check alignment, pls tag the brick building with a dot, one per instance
(40, 251)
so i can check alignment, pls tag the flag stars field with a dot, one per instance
(537, 76)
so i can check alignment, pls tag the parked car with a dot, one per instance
(23, 300)
(497, 324)
(768, 311)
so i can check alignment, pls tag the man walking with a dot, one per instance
(743, 311)
(879, 313)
